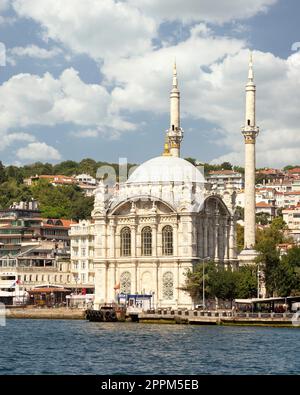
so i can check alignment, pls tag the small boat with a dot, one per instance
(106, 313)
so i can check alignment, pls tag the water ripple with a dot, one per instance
(80, 347)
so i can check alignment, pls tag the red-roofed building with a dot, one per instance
(268, 208)
(295, 171)
(53, 179)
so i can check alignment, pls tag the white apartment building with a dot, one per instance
(222, 178)
(85, 179)
(82, 253)
(292, 218)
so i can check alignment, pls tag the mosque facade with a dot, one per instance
(148, 231)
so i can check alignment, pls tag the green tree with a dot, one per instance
(247, 282)
(275, 270)
(88, 166)
(262, 218)
(226, 166)
(221, 283)
(67, 168)
(239, 237)
(3, 176)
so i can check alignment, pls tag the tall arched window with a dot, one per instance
(168, 286)
(125, 283)
(167, 240)
(147, 241)
(126, 242)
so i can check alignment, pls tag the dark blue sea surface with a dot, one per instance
(81, 347)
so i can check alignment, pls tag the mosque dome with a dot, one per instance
(165, 169)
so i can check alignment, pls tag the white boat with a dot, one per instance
(11, 290)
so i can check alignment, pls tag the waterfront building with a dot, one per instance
(34, 251)
(148, 231)
(82, 253)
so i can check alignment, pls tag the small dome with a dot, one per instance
(166, 169)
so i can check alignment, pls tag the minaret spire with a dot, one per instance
(175, 82)
(250, 132)
(175, 133)
(250, 73)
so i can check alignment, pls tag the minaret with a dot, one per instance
(175, 133)
(250, 132)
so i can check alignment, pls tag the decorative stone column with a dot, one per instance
(112, 228)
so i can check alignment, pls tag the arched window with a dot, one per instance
(126, 242)
(147, 241)
(125, 283)
(168, 286)
(167, 240)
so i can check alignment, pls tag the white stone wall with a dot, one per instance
(195, 236)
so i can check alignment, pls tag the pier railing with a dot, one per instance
(220, 314)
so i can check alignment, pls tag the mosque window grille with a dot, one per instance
(147, 241)
(168, 286)
(126, 242)
(167, 240)
(125, 283)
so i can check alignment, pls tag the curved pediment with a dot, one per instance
(142, 205)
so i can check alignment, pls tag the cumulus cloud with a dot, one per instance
(38, 151)
(33, 51)
(119, 36)
(101, 29)
(11, 138)
(214, 11)
(44, 100)
(144, 81)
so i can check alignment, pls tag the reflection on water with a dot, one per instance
(80, 347)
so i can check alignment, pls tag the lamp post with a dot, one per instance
(258, 280)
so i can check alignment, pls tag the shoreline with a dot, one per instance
(54, 314)
(79, 314)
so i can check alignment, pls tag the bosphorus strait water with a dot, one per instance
(81, 347)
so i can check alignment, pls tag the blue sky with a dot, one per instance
(92, 78)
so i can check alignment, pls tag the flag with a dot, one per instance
(83, 291)
(18, 282)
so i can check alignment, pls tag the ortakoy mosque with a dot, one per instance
(161, 222)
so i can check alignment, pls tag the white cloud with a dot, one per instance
(101, 29)
(4, 5)
(214, 11)
(38, 151)
(144, 81)
(216, 92)
(33, 51)
(212, 73)
(33, 100)
(9, 139)
(90, 133)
